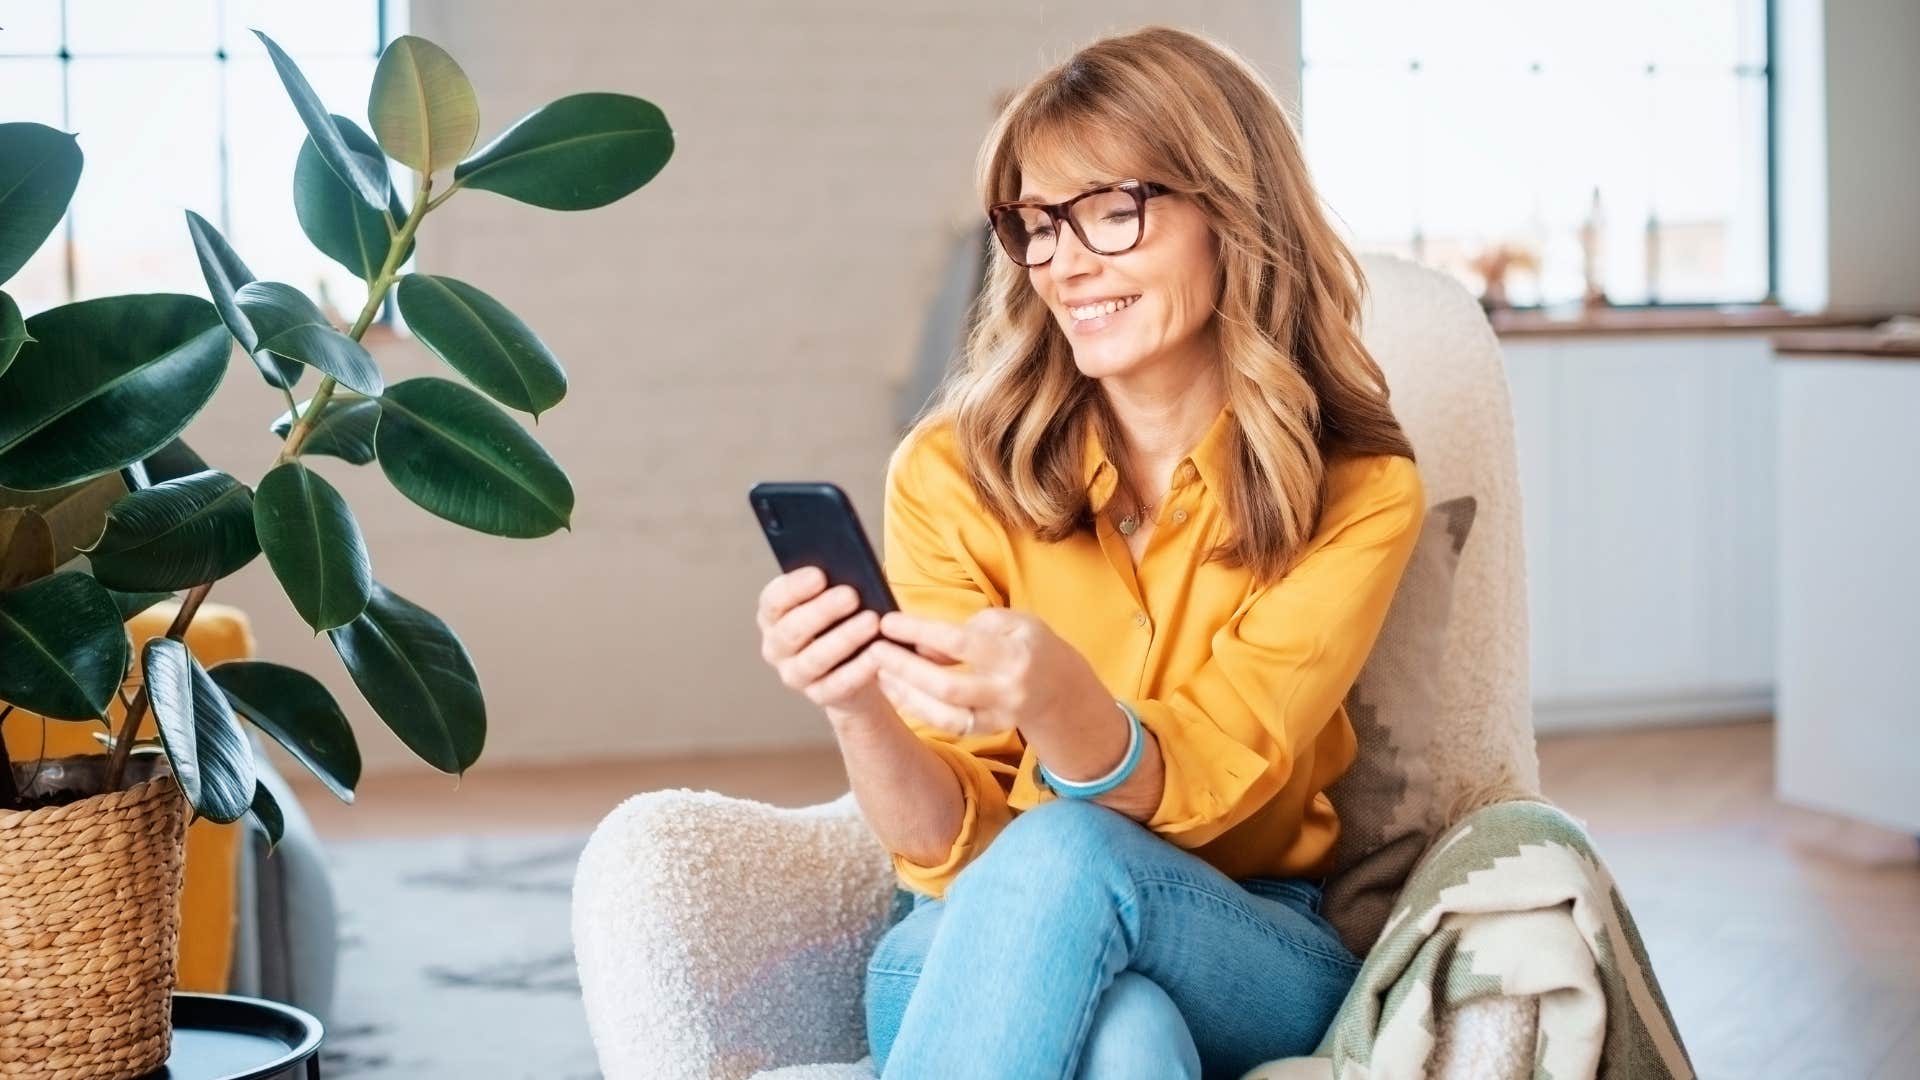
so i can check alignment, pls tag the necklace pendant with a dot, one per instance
(1128, 524)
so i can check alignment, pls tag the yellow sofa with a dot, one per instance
(209, 900)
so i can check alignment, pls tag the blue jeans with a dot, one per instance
(1080, 944)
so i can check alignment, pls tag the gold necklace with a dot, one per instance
(1127, 525)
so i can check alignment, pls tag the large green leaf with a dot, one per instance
(582, 151)
(422, 107)
(266, 811)
(63, 650)
(418, 677)
(173, 461)
(13, 331)
(220, 265)
(105, 383)
(26, 547)
(210, 755)
(176, 535)
(345, 429)
(298, 712)
(39, 168)
(484, 341)
(313, 545)
(133, 603)
(365, 175)
(343, 227)
(75, 514)
(457, 455)
(291, 326)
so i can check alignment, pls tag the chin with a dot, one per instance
(1103, 362)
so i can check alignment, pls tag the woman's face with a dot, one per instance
(1171, 278)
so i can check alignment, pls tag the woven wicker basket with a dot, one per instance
(89, 921)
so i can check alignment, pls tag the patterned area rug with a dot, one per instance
(456, 961)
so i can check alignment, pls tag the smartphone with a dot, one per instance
(813, 524)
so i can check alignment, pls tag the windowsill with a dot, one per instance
(1609, 321)
(1844, 344)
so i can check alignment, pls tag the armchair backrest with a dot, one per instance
(1448, 386)
(1440, 711)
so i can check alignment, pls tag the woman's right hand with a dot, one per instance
(795, 609)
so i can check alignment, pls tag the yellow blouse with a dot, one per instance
(1243, 688)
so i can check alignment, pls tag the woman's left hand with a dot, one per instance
(1017, 672)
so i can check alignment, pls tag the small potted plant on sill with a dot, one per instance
(104, 512)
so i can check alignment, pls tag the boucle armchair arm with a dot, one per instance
(716, 937)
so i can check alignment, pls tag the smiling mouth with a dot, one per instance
(1090, 312)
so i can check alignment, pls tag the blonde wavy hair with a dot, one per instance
(1183, 110)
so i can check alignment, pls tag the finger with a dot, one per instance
(781, 594)
(922, 706)
(908, 628)
(952, 685)
(828, 649)
(842, 682)
(949, 638)
(802, 624)
(936, 655)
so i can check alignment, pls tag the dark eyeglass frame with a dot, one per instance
(1141, 190)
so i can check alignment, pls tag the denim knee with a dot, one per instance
(1059, 835)
(1138, 1032)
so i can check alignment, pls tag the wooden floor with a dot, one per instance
(1788, 943)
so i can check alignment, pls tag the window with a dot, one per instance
(178, 108)
(1439, 131)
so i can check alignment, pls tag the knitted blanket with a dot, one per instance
(1510, 903)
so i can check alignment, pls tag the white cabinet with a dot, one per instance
(1848, 727)
(1646, 467)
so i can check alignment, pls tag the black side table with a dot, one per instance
(226, 1037)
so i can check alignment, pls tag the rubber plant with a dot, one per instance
(104, 511)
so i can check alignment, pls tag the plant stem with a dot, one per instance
(123, 744)
(376, 295)
(445, 195)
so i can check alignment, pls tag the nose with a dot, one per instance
(1070, 257)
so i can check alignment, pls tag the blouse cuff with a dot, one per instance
(976, 827)
(1209, 775)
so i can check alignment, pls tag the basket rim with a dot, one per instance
(153, 787)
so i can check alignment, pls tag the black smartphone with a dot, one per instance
(813, 524)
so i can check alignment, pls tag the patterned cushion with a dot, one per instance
(1386, 800)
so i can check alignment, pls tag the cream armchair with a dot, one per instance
(723, 938)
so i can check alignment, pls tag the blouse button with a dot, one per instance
(1139, 618)
(1179, 516)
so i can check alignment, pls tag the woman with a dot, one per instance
(1142, 540)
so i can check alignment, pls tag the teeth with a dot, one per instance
(1094, 311)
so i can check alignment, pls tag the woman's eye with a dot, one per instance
(1120, 215)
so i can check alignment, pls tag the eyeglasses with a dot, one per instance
(1108, 220)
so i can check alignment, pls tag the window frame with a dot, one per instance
(1770, 90)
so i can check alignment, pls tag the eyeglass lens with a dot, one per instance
(1109, 221)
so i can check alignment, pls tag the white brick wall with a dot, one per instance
(718, 330)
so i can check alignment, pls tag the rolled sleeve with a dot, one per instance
(986, 814)
(929, 574)
(1230, 735)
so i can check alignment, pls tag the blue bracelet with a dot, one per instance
(1104, 784)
